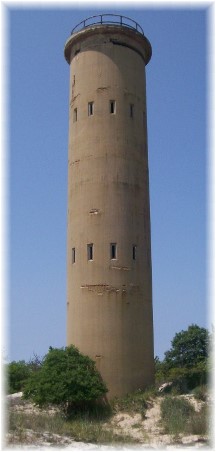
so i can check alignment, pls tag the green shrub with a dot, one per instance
(179, 378)
(66, 378)
(175, 413)
(189, 361)
(161, 372)
(184, 380)
(17, 374)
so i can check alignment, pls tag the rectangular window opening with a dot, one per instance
(75, 115)
(90, 251)
(73, 255)
(112, 106)
(134, 252)
(90, 108)
(131, 110)
(113, 250)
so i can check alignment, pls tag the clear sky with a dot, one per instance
(177, 88)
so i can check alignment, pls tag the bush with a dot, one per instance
(184, 380)
(18, 372)
(66, 378)
(17, 375)
(35, 363)
(187, 363)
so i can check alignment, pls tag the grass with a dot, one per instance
(86, 425)
(92, 425)
(174, 414)
(81, 428)
(178, 416)
(137, 425)
(199, 422)
(200, 393)
(136, 402)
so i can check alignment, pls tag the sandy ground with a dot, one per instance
(147, 431)
(150, 432)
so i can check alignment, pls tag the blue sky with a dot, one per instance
(177, 88)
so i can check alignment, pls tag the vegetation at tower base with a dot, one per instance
(66, 386)
(66, 378)
(187, 363)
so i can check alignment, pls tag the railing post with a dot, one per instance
(121, 20)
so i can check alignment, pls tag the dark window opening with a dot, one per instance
(131, 110)
(75, 115)
(134, 252)
(73, 255)
(90, 108)
(113, 250)
(112, 106)
(90, 251)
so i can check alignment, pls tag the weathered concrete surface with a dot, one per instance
(109, 301)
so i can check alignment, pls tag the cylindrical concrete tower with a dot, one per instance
(109, 298)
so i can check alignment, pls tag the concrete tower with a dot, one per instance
(109, 294)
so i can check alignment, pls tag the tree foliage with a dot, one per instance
(189, 348)
(186, 363)
(65, 378)
(18, 373)
(35, 363)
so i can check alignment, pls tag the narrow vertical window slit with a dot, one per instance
(112, 106)
(73, 256)
(75, 115)
(113, 250)
(90, 251)
(90, 108)
(134, 252)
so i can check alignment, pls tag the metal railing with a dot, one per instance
(108, 19)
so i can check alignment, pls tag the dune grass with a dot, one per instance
(178, 416)
(79, 428)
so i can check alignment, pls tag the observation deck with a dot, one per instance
(108, 19)
(124, 29)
